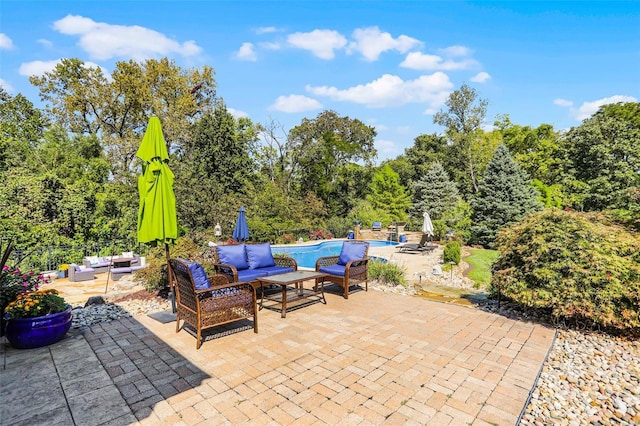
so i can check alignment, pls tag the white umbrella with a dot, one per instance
(427, 226)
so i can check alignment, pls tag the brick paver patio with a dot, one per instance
(377, 358)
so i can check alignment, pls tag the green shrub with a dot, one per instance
(451, 252)
(578, 266)
(387, 273)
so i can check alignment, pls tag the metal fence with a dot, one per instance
(51, 257)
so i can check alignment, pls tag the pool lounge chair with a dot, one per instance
(377, 226)
(424, 246)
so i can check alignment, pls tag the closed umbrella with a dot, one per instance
(157, 219)
(241, 231)
(427, 226)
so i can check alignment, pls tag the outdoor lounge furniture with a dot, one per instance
(349, 268)
(248, 262)
(77, 273)
(204, 302)
(424, 246)
(377, 226)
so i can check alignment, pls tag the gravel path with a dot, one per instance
(588, 378)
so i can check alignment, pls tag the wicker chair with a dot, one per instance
(221, 303)
(347, 273)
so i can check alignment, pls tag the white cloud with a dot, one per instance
(46, 43)
(481, 77)
(456, 51)
(321, 43)
(6, 86)
(295, 103)
(247, 52)
(266, 30)
(563, 102)
(5, 42)
(385, 147)
(37, 67)
(237, 113)
(391, 90)
(371, 42)
(423, 61)
(587, 109)
(105, 41)
(270, 45)
(40, 67)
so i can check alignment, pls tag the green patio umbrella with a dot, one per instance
(157, 219)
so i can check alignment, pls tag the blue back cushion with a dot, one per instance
(233, 255)
(199, 275)
(351, 251)
(260, 256)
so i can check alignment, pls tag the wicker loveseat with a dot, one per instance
(349, 268)
(248, 262)
(205, 302)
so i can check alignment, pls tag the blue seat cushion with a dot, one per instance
(275, 270)
(250, 275)
(123, 270)
(260, 256)
(198, 274)
(234, 254)
(338, 270)
(351, 251)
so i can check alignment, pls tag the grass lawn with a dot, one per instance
(480, 263)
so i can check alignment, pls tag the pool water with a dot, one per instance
(306, 255)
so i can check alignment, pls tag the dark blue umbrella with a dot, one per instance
(241, 232)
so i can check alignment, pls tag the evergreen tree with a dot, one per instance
(504, 198)
(388, 195)
(434, 193)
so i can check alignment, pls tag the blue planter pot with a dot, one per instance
(26, 333)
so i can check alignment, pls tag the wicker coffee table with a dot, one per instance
(292, 284)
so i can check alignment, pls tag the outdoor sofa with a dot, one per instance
(248, 262)
(79, 273)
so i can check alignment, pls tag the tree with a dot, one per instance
(504, 198)
(604, 158)
(388, 195)
(321, 147)
(462, 118)
(434, 193)
(21, 129)
(426, 150)
(215, 164)
(116, 109)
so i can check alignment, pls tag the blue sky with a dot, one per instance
(390, 64)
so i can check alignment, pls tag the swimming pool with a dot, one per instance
(306, 255)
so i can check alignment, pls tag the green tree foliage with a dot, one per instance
(504, 198)
(215, 170)
(117, 108)
(426, 150)
(605, 158)
(321, 147)
(463, 115)
(451, 252)
(434, 193)
(539, 151)
(21, 129)
(388, 195)
(578, 266)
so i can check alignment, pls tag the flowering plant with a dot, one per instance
(63, 267)
(13, 282)
(35, 304)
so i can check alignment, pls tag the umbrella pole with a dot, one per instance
(172, 290)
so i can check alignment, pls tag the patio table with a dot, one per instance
(296, 280)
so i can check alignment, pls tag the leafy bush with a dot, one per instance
(579, 266)
(387, 273)
(451, 252)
